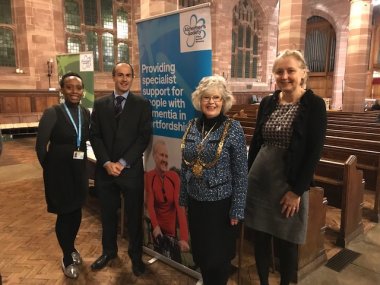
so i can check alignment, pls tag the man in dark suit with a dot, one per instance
(121, 128)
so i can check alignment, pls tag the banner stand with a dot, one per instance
(155, 255)
(169, 74)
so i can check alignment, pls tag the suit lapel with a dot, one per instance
(111, 111)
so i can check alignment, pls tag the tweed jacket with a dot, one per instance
(309, 130)
(228, 178)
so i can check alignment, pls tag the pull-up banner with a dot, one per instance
(175, 54)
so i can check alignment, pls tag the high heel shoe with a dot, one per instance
(70, 271)
(77, 259)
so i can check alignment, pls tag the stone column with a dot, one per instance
(358, 51)
(155, 7)
(292, 25)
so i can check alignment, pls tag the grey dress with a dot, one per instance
(267, 182)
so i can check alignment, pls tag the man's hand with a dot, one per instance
(113, 168)
(157, 232)
(183, 245)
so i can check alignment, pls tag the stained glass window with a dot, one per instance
(107, 16)
(5, 12)
(245, 41)
(122, 52)
(73, 45)
(90, 12)
(90, 27)
(122, 25)
(7, 49)
(72, 18)
(92, 45)
(108, 55)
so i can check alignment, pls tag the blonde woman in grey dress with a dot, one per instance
(286, 146)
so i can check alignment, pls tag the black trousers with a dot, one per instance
(217, 275)
(109, 194)
(288, 255)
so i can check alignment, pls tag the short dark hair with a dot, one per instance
(117, 63)
(68, 74)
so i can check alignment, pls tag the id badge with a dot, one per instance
(78, 154)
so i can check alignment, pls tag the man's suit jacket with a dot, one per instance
(127, 139)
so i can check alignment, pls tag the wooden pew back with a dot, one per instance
(344, 188)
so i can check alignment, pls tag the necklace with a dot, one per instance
(197, 165)
(200, 146)
(281, 119)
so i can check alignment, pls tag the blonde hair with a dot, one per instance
(213, 82)
(297, 55)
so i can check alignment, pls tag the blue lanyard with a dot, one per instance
(78, 129)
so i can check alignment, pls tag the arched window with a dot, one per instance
(90, 26)
(7, 40)
(245, 41)
(320, 45)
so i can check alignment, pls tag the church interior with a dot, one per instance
(341, 43)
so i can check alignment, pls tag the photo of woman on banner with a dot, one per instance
(166, 216)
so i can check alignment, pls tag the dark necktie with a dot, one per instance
(118, 105)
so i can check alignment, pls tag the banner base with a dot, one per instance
(183, 268)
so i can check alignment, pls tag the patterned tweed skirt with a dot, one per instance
(266, 186)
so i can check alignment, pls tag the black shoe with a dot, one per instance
(102, 261)
(138, 268)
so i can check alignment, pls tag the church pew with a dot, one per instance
(312, 254)
(249, 128)
(362, 119)
(353, 143)
(352, 128)
(368, 162)
(341, 114)
(343, 186)
(353, 122)
(351, 134)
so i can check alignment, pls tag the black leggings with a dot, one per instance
(288, 255)
(66, 229)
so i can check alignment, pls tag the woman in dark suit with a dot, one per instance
(285, 149)
(61, 149)
(213, 179)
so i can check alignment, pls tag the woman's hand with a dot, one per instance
(234, 222)
(290, 204)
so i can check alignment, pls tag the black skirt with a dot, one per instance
(213, 239)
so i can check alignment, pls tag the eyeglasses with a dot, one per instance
(215, 98)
